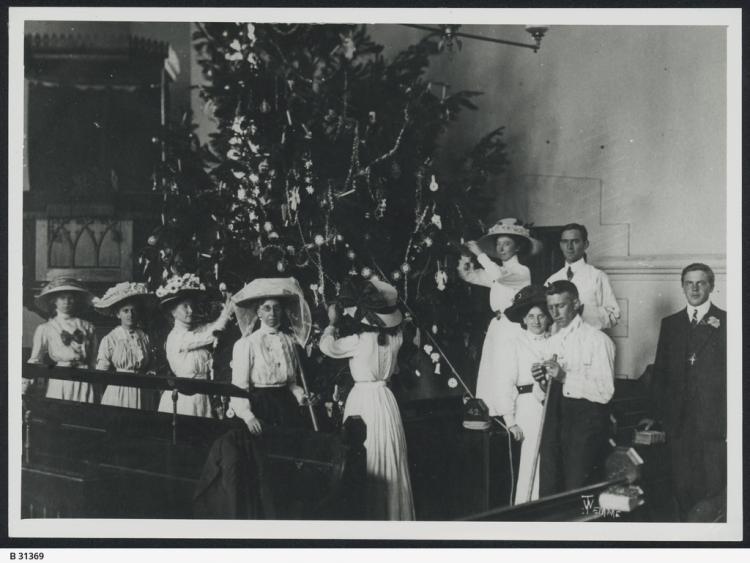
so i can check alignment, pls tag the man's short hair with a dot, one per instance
(562, 286)
(576, 227)
(698, 267)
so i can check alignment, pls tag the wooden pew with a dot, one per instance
(94, 461)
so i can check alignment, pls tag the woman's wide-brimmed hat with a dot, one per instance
(509, 227)
(372, 302)
(180, 287)
(61, 285)
(117, 295)
(287, 291)
(528, 297)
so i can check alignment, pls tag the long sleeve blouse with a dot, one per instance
(519, 354)
(188, 350)
(54, 343)
(504, 281)
(124, 350)
(265, 358)
(368, 361)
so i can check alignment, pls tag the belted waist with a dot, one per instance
(73, 364)
(522, 389)
(269, 385)
(380, 382)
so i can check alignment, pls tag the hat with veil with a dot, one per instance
(287, 291)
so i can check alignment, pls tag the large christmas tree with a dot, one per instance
(323, 166)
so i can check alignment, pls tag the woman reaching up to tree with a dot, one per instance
(506, 240)
(373, 352)
(189, 343)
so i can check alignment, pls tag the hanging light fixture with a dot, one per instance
(450, 36)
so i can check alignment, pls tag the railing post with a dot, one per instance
(175, 395)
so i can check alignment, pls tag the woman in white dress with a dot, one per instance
(520, 398)
(188, 344)
(65, 340)
(504, 241)
(127, 347)
(372, 354)
(265, 361)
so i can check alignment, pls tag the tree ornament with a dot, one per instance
(396, 275)
(434, 329)
(241, 194)
(339, 238)
(437, 221)
(428, 242)
(395, 170)
(366, 272)
(265, 107)
(452, 382)
(267, 226)
(372, 117)
(351, 255)
(273, 235)
(433, 184)
(222, 287)
(405, 268)
(152, 240)
(280, 266)
(441, 278)
(291, 250)
(319, 240)
(154, 140)
(310, 190)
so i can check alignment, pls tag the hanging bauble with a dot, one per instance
(225, 33)
(452, 382)
(396, 275)
(395, 170)
(265, 107)
(434, 329)
(433, 184)
(226, 87)
(152, 240)
(310, 190)
(222, 287)
(372, 117)
(339, 238)
(351, 255)
(268, 226)
(280, 266)
(366, 272)
(319, 240)
(428, 242)
(154, 140)
(437, 221)
(405, 268)
(441, 278)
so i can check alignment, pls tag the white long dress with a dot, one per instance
(123, 350)
(48, 348)
(525, 409)
(189, 355)
(388, 494)
(504, 282)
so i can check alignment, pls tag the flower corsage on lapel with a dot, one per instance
(714, 322)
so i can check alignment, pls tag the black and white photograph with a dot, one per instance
(375, 274)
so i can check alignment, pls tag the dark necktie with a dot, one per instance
(694, 320)
(569, 273)
(67, 337)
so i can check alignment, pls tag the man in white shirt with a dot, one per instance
(600, 307)
(581, 384)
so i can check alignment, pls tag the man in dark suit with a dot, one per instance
(690, 384)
